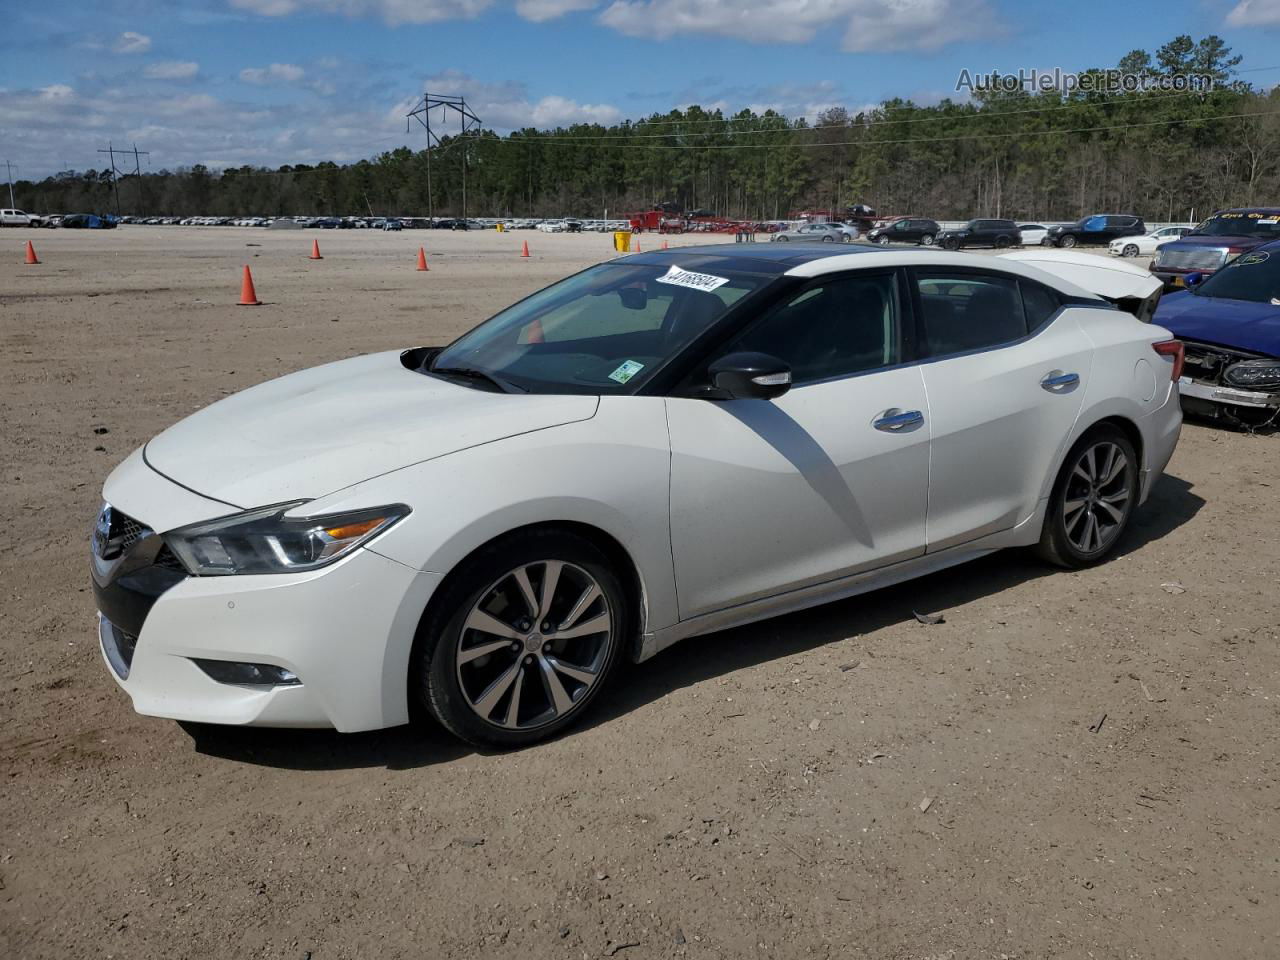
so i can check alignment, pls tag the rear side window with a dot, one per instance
(1038, 303)
(969, 311)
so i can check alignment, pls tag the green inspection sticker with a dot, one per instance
(626, 370)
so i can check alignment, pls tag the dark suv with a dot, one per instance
(1100, 228)
(1224, 236)
(906, 230)
(981, 233)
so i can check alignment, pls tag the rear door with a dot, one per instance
(830, 479)
(1005, 375)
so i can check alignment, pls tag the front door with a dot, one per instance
(825, 481)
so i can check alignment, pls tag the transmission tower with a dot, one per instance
(115, 173)
(468, 123)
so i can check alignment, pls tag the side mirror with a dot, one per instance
(1193, 279)
(751, 376)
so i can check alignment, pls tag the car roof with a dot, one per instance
(799, 260)
(1218, 213)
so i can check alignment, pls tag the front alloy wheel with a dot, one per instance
(534, 629)
(1093, 499)
(1130, 250)
(1068, 241)
(883, 241)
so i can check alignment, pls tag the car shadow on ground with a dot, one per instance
(423, 743)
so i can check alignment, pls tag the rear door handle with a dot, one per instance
(1057, 380)
(894, 420)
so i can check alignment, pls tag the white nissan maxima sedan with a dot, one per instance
(659, 446)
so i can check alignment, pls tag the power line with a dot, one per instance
(115, 174)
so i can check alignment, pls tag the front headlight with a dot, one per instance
(266, 541)
(1253, 373)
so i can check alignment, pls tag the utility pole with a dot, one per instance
(470, 123)
(9, 170)
(111, 151)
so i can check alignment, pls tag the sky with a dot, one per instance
(233, 82)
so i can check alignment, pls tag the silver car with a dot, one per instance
(824, 232)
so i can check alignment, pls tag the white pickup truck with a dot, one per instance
(15, 218)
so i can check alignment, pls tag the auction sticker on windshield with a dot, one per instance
(626, 370)
(694, 281)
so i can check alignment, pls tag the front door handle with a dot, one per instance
(1059, 381)
(894, 420)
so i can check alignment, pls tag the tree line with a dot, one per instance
(1021, 154)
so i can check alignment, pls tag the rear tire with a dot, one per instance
(1093, 500)
(530, 682)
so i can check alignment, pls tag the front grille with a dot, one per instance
(1206, 362)
(125, 531)
(1190, 258)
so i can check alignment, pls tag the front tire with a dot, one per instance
(883, 241)
(927, 240)
(1093, 500)
(1130, 250)
(1068, 241)
(526, 635)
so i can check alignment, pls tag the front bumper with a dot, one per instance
(346, 630)
(1233, 396)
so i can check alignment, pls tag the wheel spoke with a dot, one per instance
(521, 578)
(597, 624)
(560, 698)
(489, 699)
(1115, 467)
(550, 578)
(486, 623)
(1070, 508)
(569, 670)
(1074, 522)
(1119, 496)
(1090, 531)
(588, 597)
(513, 708)
(478, 651)
(1116, 514)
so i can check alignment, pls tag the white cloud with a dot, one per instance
(541, 10)
(506, 106)
(171, 70)
(275, 73)
(869, 25)
(130, 42)
(559, 112)
(394, 12)
(1255, 13)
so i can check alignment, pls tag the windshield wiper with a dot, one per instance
(470, 373)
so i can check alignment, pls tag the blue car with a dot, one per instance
(1230, 323)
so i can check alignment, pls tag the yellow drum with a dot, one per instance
(622, 241)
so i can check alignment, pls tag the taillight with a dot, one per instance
(1174, 349)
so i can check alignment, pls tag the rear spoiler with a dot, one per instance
(1130, 288)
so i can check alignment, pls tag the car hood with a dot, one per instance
(319, 430)
(1192, 240)
(1242, 324)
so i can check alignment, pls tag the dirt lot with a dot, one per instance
(1099, 749)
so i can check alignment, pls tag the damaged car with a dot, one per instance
(1230, 323)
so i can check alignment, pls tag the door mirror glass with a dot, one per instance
(757, 376)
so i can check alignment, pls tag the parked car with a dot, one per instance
(391, 224)
(638, 454)
(1213, 243)
(1230, 323)
(819, 232)
(88, 221)
(1033, 234)
(906, 230)
(1145, 246)
(1099, 228)
(14, 218)
(981, 233)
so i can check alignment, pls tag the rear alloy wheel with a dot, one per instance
(828, 238)
(1130, 250)
(534, 630)
(1092, 500)
(1067, 241)
(950, 243)
(1002, 242)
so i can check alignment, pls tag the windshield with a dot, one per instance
(1241, 225)
(606, 330)
(1252, 276)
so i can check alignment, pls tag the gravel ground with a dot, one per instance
(1072, 765)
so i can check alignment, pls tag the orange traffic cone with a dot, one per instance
(315, 251)
(664, 245)
(422, 259)
(525, 251)
(31, 254)
(638, 243)
(248, 296)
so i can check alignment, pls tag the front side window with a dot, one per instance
(606, 330)
(968, 311)
(836, 328)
